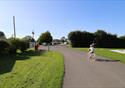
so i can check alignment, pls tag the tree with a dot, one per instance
(100, 38)
(75, 38)
(122, 37)
(80, 39)
(106, 40)
(45, 38)
(121, 41)
(28, 39)
(63, 39)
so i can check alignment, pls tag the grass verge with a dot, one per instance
(32, 70)
(105, 52)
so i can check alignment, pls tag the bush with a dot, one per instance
(4, 46)
(17, 44)
(12, 49)
(28, 39)
(24, 45)
(2, 35)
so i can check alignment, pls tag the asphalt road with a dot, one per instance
(81, 73)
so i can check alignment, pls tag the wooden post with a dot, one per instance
(48, 47)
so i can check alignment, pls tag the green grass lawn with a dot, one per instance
(32, 70)
(105, 52)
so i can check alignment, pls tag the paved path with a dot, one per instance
(80, 73)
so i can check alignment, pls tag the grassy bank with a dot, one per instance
(32, 70)
(105, 52)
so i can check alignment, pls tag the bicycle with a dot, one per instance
(91, 56)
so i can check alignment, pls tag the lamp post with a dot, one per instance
(14, 27)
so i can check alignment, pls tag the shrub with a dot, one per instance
(15, 44)
(28, 39)
(2, 35)
(12, 49)
(18, 44)
(4, 46)
(24, 45)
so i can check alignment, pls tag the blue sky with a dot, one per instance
(62, 16)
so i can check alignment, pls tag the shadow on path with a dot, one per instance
(106, 60)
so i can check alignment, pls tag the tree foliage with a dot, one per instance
(80, 39)
(63, 39)
(28, 39)
(104, 39)
(100, 37)
(45, 38)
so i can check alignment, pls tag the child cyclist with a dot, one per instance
(91, 52)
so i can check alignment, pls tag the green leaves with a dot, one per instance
(45, 37)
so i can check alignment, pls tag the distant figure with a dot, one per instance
(36, 46)
(91, 52)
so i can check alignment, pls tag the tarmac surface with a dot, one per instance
(83, 73)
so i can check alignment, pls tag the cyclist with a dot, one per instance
(91, 52)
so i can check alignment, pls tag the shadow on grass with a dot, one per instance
(28, 54)
(7, 62)
(106, 60)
